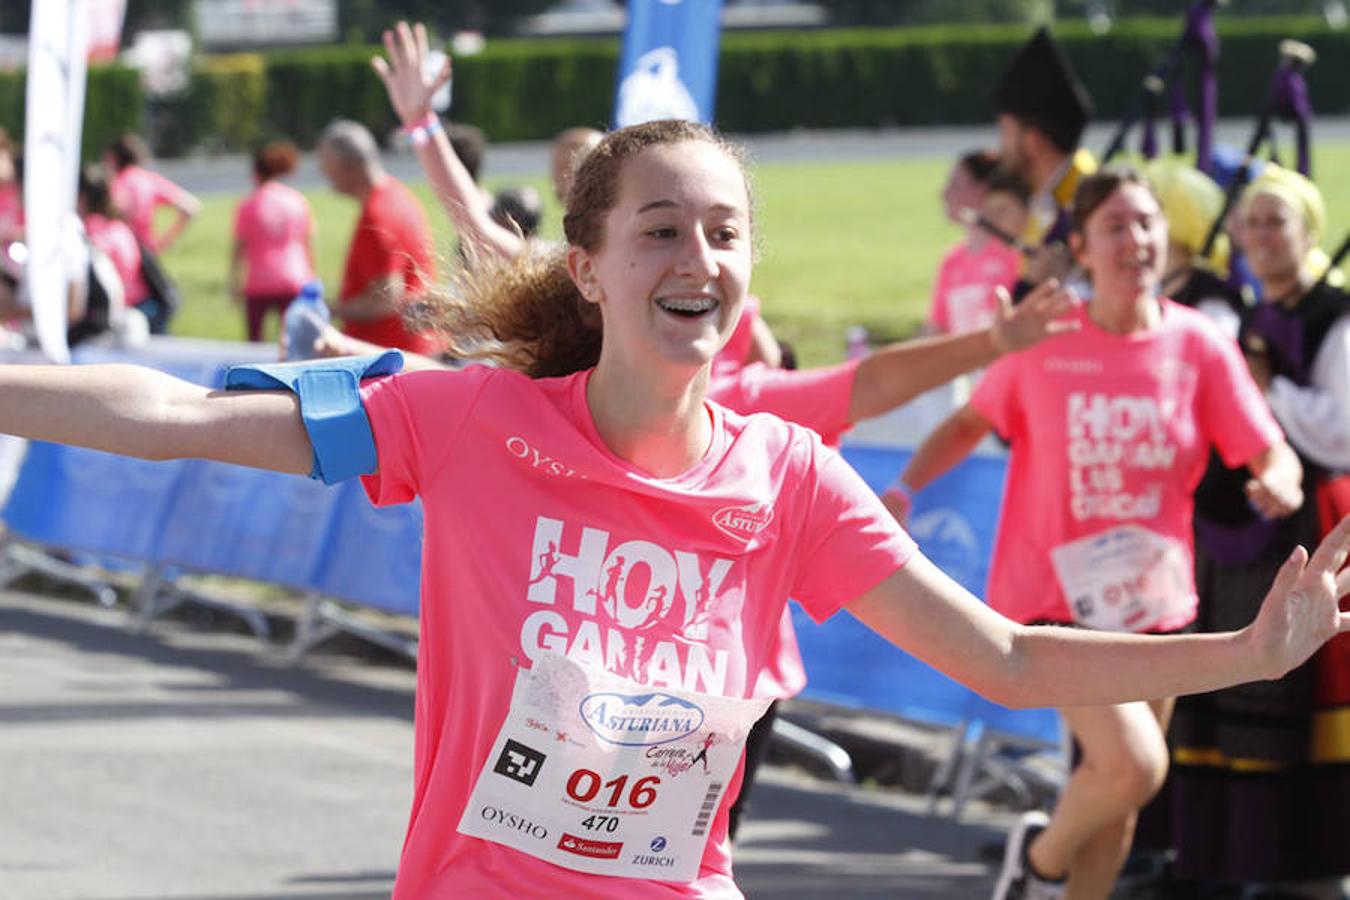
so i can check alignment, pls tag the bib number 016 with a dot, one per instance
(584, 785)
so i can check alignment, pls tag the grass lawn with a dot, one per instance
(840, 244)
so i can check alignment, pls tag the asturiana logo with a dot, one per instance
(743, 522)
(640, 720)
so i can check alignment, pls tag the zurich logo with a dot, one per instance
(658, 844)
(640, 720)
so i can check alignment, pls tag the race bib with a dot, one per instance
(600, 774)
(1125, 579)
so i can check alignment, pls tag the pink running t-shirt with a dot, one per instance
(11, 213)
(963, 295)
(527, 514)
(1107, 430)
(137, 193)
(114, 238)
(736, 350)
(817, 399)
(273, 226)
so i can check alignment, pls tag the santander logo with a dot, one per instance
(743, 522)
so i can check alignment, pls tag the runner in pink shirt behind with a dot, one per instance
(273, 254)
(110, 234)
(1110, 430)
(139, 193)
(965, 294)
(11, 198)
(751, 342)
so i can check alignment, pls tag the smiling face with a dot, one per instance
(1123, 243)
(1274, 238)
(672, 267)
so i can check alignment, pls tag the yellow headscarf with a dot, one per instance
(1190, 201)
(1303, 197)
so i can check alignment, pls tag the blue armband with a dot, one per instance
(330, 404)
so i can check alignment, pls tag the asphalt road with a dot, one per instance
(195, 763)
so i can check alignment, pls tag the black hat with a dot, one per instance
(1040, 88)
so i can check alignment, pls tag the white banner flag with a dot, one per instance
(57, 41)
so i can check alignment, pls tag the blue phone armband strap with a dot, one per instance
(330, 404)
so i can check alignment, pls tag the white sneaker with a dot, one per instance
(1017, 881)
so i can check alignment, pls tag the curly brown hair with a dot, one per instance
(526, 313)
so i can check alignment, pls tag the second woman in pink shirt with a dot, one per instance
(1110, 429)
(273, 252)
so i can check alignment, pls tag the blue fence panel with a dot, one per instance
(373, 555)
(954, 518)
(953, 521)
(252, 524)
(849, 664)
(90, 501)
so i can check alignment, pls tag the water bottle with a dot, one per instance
(855, 343)
(306, 317)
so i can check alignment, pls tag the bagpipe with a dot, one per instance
(1200, 40)
(1287, 98)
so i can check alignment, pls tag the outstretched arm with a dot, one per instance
(763, 345)
(896, 374)
(945, 446)
(185, 208)
(134, 411)
(1276, 487)
(927, 614)
(410, 93)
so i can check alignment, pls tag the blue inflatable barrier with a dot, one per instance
(953, 521)
(373, 555)
(92, 502)
(261, 525)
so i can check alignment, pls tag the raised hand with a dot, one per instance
(410, 88)
(1302, 610)
(1040, 315)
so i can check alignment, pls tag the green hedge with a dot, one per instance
(113, 103)
(770, 81)
(306, 89)
(945, 75)
(230, 95)
(220, 110)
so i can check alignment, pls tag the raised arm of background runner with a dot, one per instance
(885, 379)
(410, 91)
(897, 373)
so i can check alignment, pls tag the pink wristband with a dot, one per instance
(420, 132)
(897, 489)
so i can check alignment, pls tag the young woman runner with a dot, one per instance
(607, 554)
